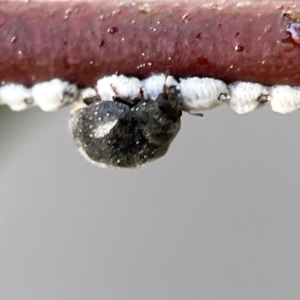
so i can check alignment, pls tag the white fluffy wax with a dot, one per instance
(124, 87)
(247, 96)
(202, 93)
(154, 84)
(87, 93)
(285, 99)
(54, 94)
(16, 96)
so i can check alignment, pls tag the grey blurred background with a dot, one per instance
(217, 218)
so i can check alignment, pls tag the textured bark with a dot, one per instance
(82, 41)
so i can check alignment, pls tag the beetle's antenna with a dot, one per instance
(165, 87)
(114, 89)
(142, 94)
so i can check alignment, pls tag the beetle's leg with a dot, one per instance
(129, 102)
(136, 100)
(119, 99)
(142, 95)
(91, 100)
(114, 90)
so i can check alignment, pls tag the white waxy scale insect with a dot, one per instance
(284, 98)
(87, 93)
(127, 87)
(54, 94)
(154, 84)
(83, 95)
(202, 93)
(16, 96)
(247, 96)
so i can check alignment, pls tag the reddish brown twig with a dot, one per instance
(82, 41)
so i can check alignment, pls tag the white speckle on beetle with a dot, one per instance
(127, 87)
(105, 129)
(154, 84)
(16, 96)
(247, 96)
(202, 93)
(54, 94)
(285, 99)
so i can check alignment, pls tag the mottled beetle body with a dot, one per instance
(126, 133)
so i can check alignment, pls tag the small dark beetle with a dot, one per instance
(126, 133)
